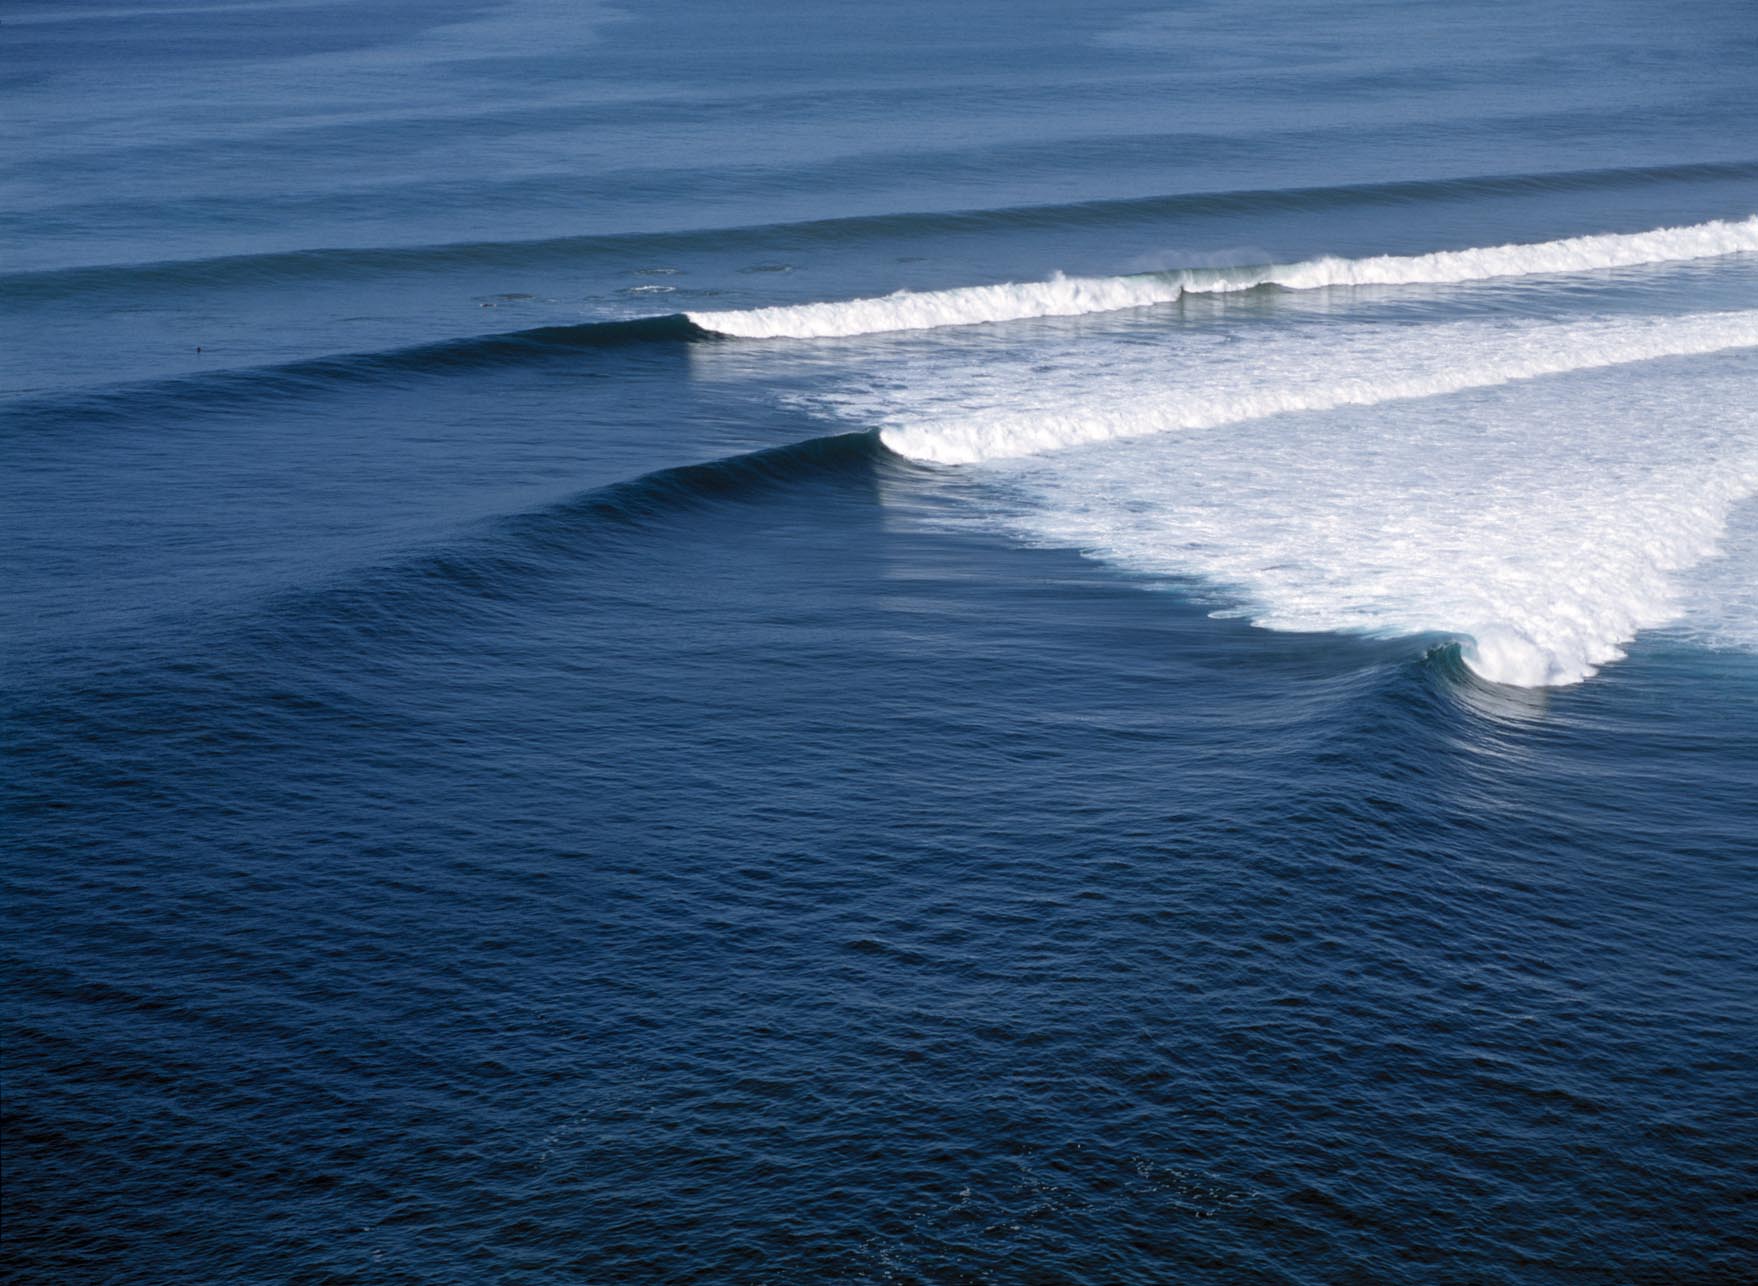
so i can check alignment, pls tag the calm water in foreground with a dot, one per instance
(557, 730)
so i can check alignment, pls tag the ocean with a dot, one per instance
(802, 643)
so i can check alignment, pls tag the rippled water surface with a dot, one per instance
(559, 728)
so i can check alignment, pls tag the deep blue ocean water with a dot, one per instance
(556, 729)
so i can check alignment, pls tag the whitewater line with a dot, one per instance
(1445, 365)
(1073, 296)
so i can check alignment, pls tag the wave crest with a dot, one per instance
(1074, 296)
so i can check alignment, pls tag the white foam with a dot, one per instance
(1719, 597)
(1071, 296)
(1313, 370)
(963, 306)
(1574, 254)
(1543, 522)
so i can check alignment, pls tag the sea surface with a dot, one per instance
(917, 643)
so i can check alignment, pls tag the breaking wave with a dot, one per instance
(1072, 296)
(1541, 523)
(1314, 372)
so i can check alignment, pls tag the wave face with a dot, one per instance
(1072, 296)
(1540, 522)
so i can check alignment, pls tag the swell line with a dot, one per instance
(499, 557)
(517, 547)
(241, 386)
(360, 262)
(1076, 296)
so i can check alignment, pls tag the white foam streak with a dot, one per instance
(1072, 296)
(1441, 360)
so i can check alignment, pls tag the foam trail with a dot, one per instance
(1312, 374)
(1072, 296)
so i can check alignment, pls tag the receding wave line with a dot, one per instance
(516, 552)
(235, 386)
(502, 348)
(1073, 296)
(1437, 361)
(520, 548)
(357, 263)
(517, 345)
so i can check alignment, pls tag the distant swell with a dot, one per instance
(366, 263)
(1072, 296)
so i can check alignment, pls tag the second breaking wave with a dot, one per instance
(1073, 296)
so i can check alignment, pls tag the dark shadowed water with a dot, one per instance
(556, 731)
